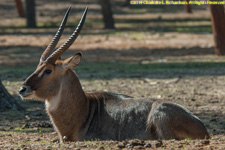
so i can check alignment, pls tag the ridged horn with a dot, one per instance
(54, 56)
(56, 38)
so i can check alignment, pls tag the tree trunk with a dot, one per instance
(7, 101)
(30, 13)
(188, 7)
(107, 14)
(127, 3)
(19, 7)
(218, 23)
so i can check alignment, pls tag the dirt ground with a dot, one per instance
(157, 52)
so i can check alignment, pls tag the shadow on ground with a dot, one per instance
(109, 64)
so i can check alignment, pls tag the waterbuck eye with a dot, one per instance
(48, 71)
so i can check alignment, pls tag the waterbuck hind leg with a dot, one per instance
(168, 120)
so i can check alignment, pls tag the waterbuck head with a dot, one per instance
(44, 83)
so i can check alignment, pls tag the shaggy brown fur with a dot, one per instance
(77, 115)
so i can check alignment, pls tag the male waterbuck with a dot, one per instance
(77, 115)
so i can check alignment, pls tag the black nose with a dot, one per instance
(23, 90)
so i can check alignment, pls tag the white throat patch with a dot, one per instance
(53, 103)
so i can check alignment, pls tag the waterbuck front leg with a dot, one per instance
(168, 120)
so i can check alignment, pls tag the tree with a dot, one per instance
(218, 23)
(188, 7)
(107, 14)
(7, 101)
(30, 13)
(127, 3)
(19, 7)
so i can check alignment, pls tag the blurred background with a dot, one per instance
(114, 30)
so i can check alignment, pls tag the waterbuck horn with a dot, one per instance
(54, 56)
(56, 38)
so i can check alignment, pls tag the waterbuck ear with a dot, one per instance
(72, 61)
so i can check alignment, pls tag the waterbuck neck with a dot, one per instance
(69, 109)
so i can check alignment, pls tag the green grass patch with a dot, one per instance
(107, 66)
(109, 70)
(130, 70)
(32, 130)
